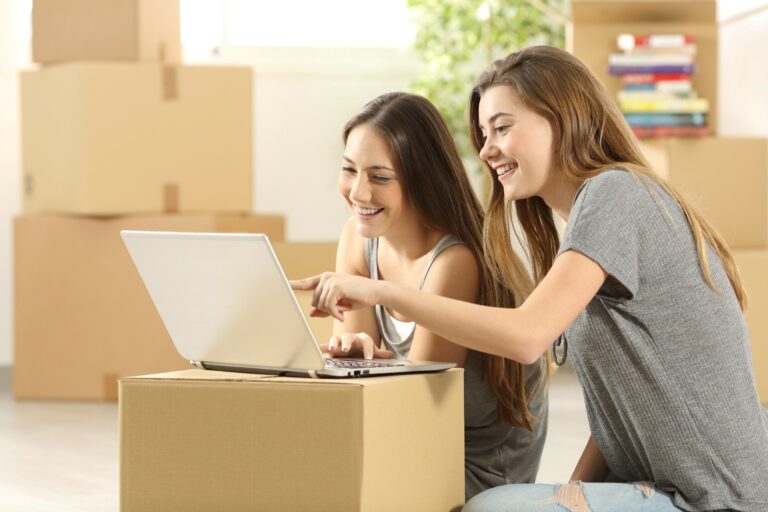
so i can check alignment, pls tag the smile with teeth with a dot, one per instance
(502, 170)
(367, 212)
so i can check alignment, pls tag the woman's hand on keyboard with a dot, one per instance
(354, 344)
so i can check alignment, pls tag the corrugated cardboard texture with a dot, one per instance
(753, 267)
(727, 178)
(104, 139)
(82, 315)
(279, 444)
(305, 259)
(99, 30)
(596, 24)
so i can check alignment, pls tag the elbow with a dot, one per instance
(529, 357)
(531, 350)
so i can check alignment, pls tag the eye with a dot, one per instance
(349, 170)
(501, 129)
(380, 178)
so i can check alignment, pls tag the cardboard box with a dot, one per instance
(93, 30)
(753, 267)
(203, 440)
(125, 138)
(305, 259)
(83, 317)
(596, 23)
(727, 178)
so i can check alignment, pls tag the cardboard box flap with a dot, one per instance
(206, 375)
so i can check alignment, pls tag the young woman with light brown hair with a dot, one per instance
(416, 223)
(641, 291)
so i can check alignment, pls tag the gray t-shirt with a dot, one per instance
(494, 453)
(663, 359)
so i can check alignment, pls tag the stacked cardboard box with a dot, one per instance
(726, 177)
(116, 134)
(204, 440)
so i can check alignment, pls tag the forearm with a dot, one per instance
(591, 466)
(499, 331)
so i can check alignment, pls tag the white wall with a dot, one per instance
(743, 74)
(14, 29)
(302, 98)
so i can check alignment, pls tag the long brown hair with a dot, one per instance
(436, 183)
(591, 136)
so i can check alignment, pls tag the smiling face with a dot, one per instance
(518, 144)
(371, 185)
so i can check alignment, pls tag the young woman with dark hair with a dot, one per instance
(416, 223)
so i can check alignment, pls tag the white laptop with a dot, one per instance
(227, 305)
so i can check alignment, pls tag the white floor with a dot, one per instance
(63, 456)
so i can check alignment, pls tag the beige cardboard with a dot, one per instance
(305, 259)
(82, 315)
(596, 23)
(99, 30)
(127, 138)
(753, 267)
(727, 178)
(202, 441)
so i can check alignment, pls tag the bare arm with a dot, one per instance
(521, 334)
(591, 466)
(350, 259)
(453, 274)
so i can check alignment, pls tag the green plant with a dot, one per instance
(457, 39)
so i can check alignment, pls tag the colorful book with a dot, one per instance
(687, 69)
(670, 105)
(649, 132)
(628, 42)
(650, 59)
(678, 87)
(666, 119)
(650, 78)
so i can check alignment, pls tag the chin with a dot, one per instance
(367, 231)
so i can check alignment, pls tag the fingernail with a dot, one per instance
(345, 348)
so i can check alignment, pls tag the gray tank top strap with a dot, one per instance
(372, 251)
(444, 243)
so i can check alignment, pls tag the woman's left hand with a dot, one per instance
(336, 293)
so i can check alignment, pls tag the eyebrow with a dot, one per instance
(498, 115)
(375, 167)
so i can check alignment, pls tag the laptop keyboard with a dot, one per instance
(362, 363)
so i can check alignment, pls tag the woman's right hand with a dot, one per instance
(354, 344)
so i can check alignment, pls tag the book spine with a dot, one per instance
(648, 132)
(666, 119)
(672, 105)
(687, 69)
(649, 78)
(664, 41)
(631, 59)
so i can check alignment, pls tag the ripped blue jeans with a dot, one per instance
(573, 497)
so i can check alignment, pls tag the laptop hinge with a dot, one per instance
(197, 364)
(313, 374)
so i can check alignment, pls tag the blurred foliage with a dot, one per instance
(458, 39)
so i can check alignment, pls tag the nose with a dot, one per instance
(361, 189)
(488, 151)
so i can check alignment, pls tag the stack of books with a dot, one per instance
(657, 96)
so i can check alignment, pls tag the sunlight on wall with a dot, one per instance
(209, 24)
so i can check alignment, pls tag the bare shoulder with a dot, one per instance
(454, 273)
(350, 254)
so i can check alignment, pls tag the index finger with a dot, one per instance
(306, 284)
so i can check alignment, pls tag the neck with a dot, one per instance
(559, 196)
(413, 241)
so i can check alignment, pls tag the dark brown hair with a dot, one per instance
(435, 182)
(590, 136)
